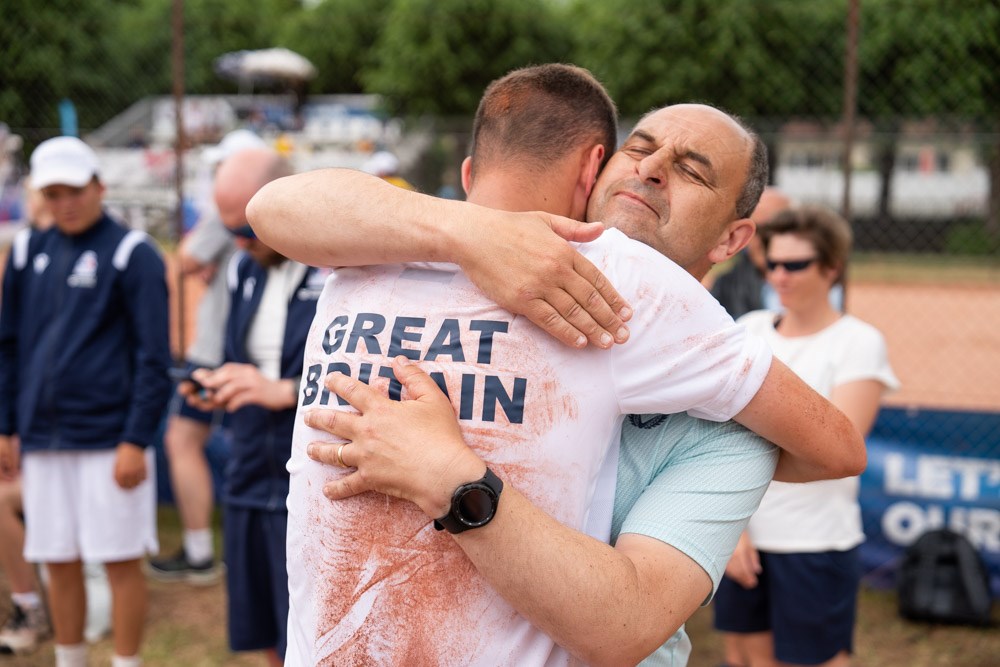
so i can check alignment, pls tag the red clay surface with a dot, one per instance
(944, 341)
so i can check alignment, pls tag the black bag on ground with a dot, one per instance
(943, 580)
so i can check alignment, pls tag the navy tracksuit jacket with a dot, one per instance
(84, 342)
(261, 442)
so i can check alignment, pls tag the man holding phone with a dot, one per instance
(179, 375)
(272, 304)
(204, 253)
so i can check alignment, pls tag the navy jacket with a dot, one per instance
(84, 341)
(741, 290)
(261, 442)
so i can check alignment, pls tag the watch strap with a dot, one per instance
(451, 521)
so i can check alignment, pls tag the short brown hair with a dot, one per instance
(829, 233)
(539, 114)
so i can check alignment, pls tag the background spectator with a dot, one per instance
(790, 590)
(85, 406)
(204, 253)
(273, 301)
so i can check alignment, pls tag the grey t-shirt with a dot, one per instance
(210, 243)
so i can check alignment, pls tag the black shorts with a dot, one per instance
(808, 601)
(257, 579)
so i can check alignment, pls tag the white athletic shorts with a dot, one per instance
(74, 509)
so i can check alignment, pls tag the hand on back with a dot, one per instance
(523, 262)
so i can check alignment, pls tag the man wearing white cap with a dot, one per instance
(208, 247)
(232, 143)
(385, 165)
(84, 351)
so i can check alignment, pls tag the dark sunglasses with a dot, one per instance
(791, 266)
(244, 232)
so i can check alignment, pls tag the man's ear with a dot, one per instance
(590, 167)
(467, 174)
(735, 237)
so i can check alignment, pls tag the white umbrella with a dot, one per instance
(265, 65)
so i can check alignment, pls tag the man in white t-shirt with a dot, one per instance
(380, 606)
(545, 415)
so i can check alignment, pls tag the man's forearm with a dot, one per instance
(817, 440)
(606, 605)
(343, 217)
(600, 603)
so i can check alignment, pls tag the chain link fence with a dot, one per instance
(919, 148)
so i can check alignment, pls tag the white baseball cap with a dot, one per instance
(63, 161)
(382, 163)
(232, 143)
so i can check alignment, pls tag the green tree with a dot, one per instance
(337, 36)
(945, 64)
(214, 27)
(105, 55)
(55, 50)
(437, 56)
(752, 58)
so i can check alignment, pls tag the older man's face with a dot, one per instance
(674, 183)
(232, 207)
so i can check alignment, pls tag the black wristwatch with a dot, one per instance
(473, 505)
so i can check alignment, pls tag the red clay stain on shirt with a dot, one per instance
(388, 587)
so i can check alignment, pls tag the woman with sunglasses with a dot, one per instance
(790, 589)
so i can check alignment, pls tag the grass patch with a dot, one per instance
(186, 625)
(881, 639)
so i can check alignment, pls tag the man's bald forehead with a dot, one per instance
(239, 178)
(694, 115)
(250, 168)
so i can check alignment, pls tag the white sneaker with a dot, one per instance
(24, 630)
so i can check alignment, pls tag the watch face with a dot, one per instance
(475, 506)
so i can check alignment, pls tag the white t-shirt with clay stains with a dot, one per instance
(371, 581)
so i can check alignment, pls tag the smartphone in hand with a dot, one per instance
(179, 375)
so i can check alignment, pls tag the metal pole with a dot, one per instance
(850, 100)
(177, 67)
(850, 111)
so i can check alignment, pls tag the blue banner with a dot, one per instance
(930, 469)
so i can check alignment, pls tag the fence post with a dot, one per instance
(177, 68)
(850, 101)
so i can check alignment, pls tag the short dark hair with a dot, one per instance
(757, 173)
(541, 113)
(829, 233)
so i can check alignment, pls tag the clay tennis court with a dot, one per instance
(944, 341)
